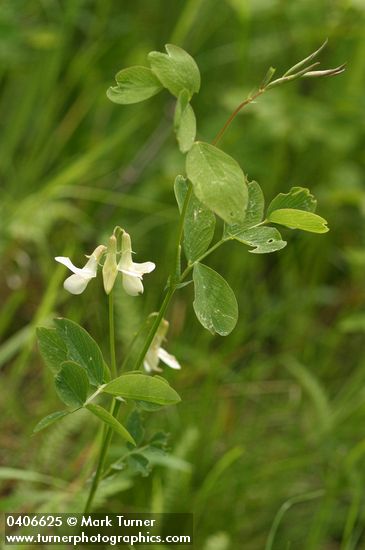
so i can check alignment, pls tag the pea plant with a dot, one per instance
(214, 186)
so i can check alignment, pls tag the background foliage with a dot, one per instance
(274, 411)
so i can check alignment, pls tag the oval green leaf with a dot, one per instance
(218, 181)
(72, 384)
(298, 198)
(254, 211)
(142, 388)
(50, 419)
(263, 239)
(215, 304)
(135, 84)
(52, 348)
(199, 222)
(82, 349)
(184, 122)
(110, 421)
(176, 70)
(299, 219)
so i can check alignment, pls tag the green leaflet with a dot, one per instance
(52, 348)
(218, 181)
(109, 420)
(50, 419)
(254, 212)
(72, 384)
(215, 304)
(176, 70)
(180, 190)
(82, 349)
(134, 84)
(199, 222)
(143, 388)
(184, 122)
(135, 426)
(264, 239)
(298, 198)
(299, 219)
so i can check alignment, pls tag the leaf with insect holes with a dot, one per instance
(199, 222)
(110, 421)
(299, 219)
(215, 304)
(218, 181)
(138, 386)
(254, 212)
(176, 70)
(184, 122)
(52, 348)
(50, 419)
(263, 239)
(134, 84)
(82, 349)
(72, 384)
(298, 198)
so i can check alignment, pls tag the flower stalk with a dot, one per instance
(108, 433)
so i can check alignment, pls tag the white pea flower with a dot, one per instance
(132, 272)
(157, 353)
(77, 283)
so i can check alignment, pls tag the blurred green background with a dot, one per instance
(273, 416)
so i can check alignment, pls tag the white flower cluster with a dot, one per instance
(132, 272)
(132, 275)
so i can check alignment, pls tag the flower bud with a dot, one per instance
(326, 72)
(110, 270)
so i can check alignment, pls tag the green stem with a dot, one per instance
(131, 346)
(209, 251)
(113, 362)
(114, 410)
(173, 281)
(180, 233)
(103, 451)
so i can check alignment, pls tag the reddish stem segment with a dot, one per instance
(235, 113)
